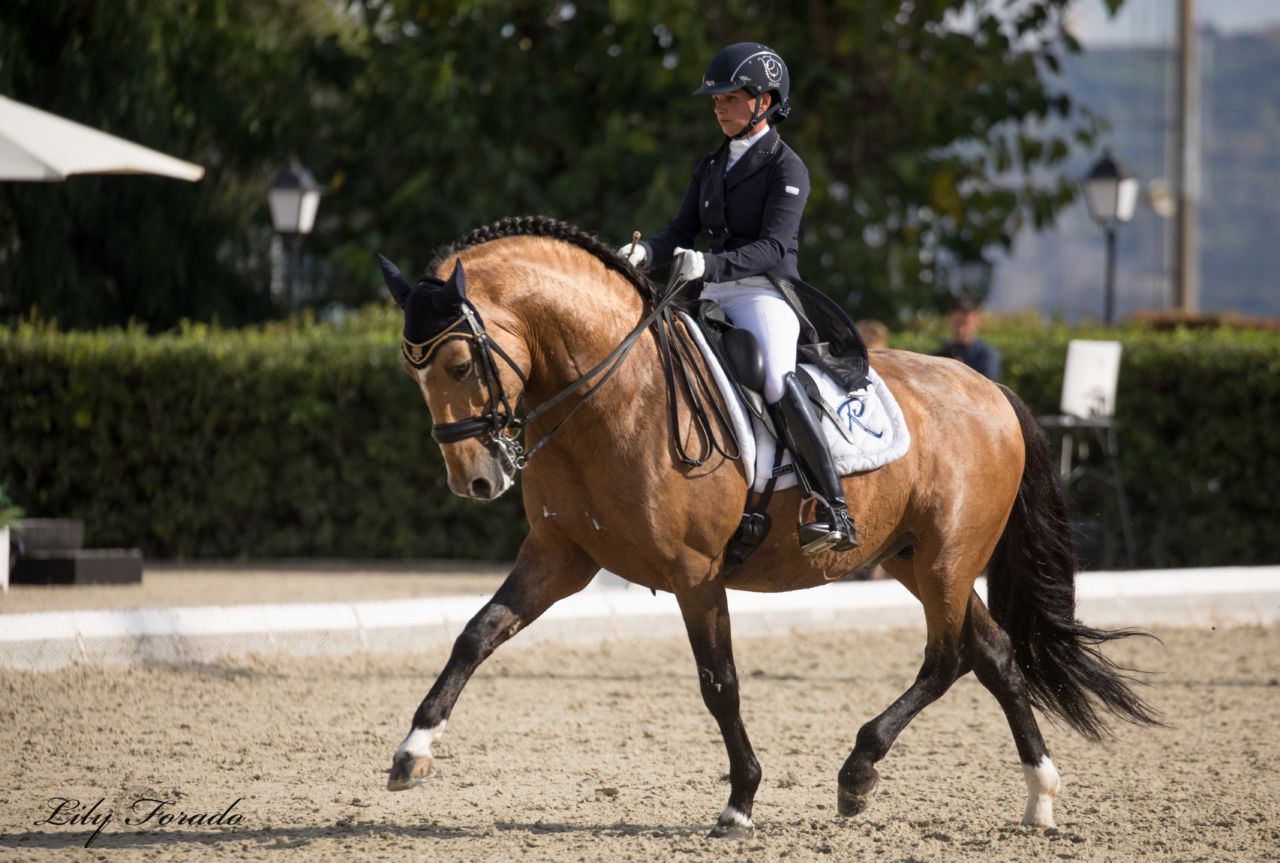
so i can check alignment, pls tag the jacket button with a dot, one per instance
(706, 203)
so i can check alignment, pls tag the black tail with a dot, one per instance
(1031, 593)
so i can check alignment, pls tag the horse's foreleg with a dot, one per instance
(991, 653)
(706, 618)
(543, 574)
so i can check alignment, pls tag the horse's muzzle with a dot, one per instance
(487, 479)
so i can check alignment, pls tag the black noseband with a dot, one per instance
(471, 427)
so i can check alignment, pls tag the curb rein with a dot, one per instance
(500, 426)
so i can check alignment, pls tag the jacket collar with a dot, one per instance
(760, 154)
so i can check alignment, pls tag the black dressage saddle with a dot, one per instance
(739, 355)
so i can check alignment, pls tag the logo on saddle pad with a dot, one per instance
(851, 411)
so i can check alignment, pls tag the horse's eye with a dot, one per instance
(461, 370)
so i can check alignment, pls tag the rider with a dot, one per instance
(748, 196)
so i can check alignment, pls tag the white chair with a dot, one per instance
(1090, 379)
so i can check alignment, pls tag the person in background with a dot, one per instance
(874, 333)
(964, 318)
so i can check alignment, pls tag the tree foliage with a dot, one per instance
(930, 128)
(230, 85)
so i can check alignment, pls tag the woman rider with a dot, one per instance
(749, 196)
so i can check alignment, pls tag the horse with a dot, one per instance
(536, 307)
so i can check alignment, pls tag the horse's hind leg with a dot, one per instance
(943, 664)
(990, 652)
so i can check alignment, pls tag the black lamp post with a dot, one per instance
(1111, 193)
(294, 198)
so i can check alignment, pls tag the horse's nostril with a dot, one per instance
(481, 488)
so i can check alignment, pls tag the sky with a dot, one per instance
(1154, 20)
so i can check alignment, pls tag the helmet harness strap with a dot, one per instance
(755, 120)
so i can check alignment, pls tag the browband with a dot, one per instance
(418, 354)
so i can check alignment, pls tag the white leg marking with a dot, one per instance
(733, 816)
(1043, 784)
(419, 741)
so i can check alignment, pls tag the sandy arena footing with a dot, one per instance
(605, 752)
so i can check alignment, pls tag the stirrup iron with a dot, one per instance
(828, 531)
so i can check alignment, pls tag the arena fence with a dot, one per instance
(610, 610)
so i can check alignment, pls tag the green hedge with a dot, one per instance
(283, 441)
(308, 440)
(1199, 414)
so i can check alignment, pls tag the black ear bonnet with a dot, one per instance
(431, 307)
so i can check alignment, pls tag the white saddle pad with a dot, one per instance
(865, 428)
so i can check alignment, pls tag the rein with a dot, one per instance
(501, 426)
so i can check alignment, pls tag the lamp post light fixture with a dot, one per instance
(973, 278)
(1111, 193)
(294, 197)
(963, 274)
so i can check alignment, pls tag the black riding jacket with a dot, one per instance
(752, 213)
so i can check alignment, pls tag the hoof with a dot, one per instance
(851, 804)
(1043, 785)
(851, 801)
(408, 771)
(732, 831)
(732, 824)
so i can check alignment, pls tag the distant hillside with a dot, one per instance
(1062, 271)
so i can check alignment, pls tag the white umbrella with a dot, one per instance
(37, 145)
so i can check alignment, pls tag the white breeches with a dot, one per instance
(754, 304)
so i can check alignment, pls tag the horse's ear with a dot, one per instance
(458, 279)
(396, 283)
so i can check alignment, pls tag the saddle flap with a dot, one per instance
(738, 354)
(745, 359)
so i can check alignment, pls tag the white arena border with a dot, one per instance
(609, 610)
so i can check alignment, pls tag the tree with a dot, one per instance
(929, 127)
(230, 85)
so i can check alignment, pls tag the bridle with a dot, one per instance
(501, 414)
(500, 425)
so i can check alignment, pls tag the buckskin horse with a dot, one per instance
(530, 310)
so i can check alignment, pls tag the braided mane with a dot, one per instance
(545, 226)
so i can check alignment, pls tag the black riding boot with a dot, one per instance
(800, 425)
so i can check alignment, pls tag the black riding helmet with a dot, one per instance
(755, 68)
